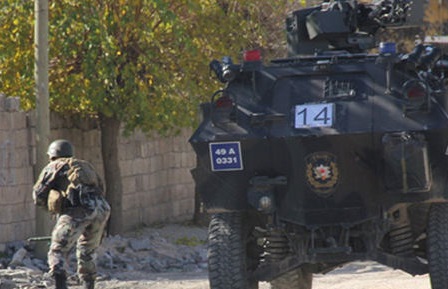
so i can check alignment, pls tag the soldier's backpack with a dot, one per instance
(78, 172)
(81, 172)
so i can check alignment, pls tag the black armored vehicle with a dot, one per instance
(336, 153)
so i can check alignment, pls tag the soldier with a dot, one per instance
(72, 190)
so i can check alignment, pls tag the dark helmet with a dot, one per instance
(60, 148)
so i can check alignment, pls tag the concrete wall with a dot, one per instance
(157, 185)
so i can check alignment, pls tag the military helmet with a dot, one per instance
(60, 148)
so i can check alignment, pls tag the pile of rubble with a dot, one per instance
(171, 248)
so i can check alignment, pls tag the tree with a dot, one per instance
(130, 63)
(434, 21)
(437, 17)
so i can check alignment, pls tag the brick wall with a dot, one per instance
(157, 185)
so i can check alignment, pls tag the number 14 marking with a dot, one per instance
(314, 115)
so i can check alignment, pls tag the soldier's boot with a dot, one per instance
(88, 284)
(61, 281)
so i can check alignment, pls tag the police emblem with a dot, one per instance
(322, 173)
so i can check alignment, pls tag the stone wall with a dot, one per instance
(17, 212)
(156, 178)
(157, 185)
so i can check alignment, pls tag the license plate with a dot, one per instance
(314, 115)
(226, 156)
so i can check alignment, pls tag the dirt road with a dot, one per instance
(359, 275)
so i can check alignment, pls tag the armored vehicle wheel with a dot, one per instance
(295, 279)
(227, 254)
(437, 245)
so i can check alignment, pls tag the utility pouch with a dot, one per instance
(55, 201)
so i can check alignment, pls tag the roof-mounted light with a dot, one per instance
(252, 55)
(387, 48)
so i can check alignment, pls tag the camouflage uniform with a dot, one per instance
(82, 220)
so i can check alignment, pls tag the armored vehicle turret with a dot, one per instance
(330, 155)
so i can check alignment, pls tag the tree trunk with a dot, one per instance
(110, 130)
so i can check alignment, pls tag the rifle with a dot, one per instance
(39, 239)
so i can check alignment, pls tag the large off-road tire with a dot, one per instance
(437, 245)
(227, 257)
(295, 279)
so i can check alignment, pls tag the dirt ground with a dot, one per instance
(358, 275)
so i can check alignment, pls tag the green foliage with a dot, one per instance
(143, 62)
(16, 48)
(437, 17)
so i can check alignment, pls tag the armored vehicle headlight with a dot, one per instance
(265, 203)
